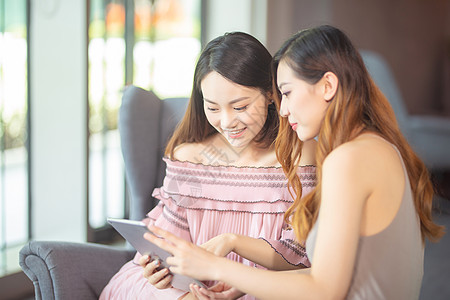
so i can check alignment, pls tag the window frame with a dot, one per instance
(17, 285)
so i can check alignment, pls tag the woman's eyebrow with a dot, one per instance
(231, 102)
(282, 84)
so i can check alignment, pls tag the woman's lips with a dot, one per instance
(294, 126)
(234, 134)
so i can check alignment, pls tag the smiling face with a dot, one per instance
(235, 111)
(302, 103)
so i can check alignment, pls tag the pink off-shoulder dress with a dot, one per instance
(199, 202)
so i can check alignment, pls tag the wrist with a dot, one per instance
(184, 296)
(232, 241)
(219, 272)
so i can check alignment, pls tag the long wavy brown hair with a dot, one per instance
(358, 106)
(242, 59)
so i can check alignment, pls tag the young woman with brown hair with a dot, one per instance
(366, 221)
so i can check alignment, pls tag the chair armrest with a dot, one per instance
(64, 270)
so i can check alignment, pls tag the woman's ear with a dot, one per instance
(331, 85)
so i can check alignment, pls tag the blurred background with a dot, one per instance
(64, 64)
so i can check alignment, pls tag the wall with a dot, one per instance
(411, 35)
(286, 17)
(58, 123)
(235, 15)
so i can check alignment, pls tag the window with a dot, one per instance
(14, 195)
(153, 44)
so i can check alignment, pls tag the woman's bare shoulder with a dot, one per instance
(365, 155)
(195, 152)
(187, 152)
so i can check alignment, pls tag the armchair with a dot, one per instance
(65, 270)
(428, 135)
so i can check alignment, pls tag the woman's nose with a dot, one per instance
(283, 108)
(228, 120)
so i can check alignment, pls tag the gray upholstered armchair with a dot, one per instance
(429, 135)
(64, 270)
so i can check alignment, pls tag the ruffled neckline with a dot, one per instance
(231, 168)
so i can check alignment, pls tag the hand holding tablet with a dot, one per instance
(133, 232)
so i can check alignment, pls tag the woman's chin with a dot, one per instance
(238, 144)
(304, 137)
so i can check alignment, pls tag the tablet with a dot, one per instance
(133, 232)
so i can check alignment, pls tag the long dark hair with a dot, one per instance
(357, 106)
(240, 58)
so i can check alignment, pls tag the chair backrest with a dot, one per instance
(145, 125)
(385, 80)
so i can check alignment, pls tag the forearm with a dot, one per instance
(298, 271)
(191, 260)
(265, 284)
(260, 252)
